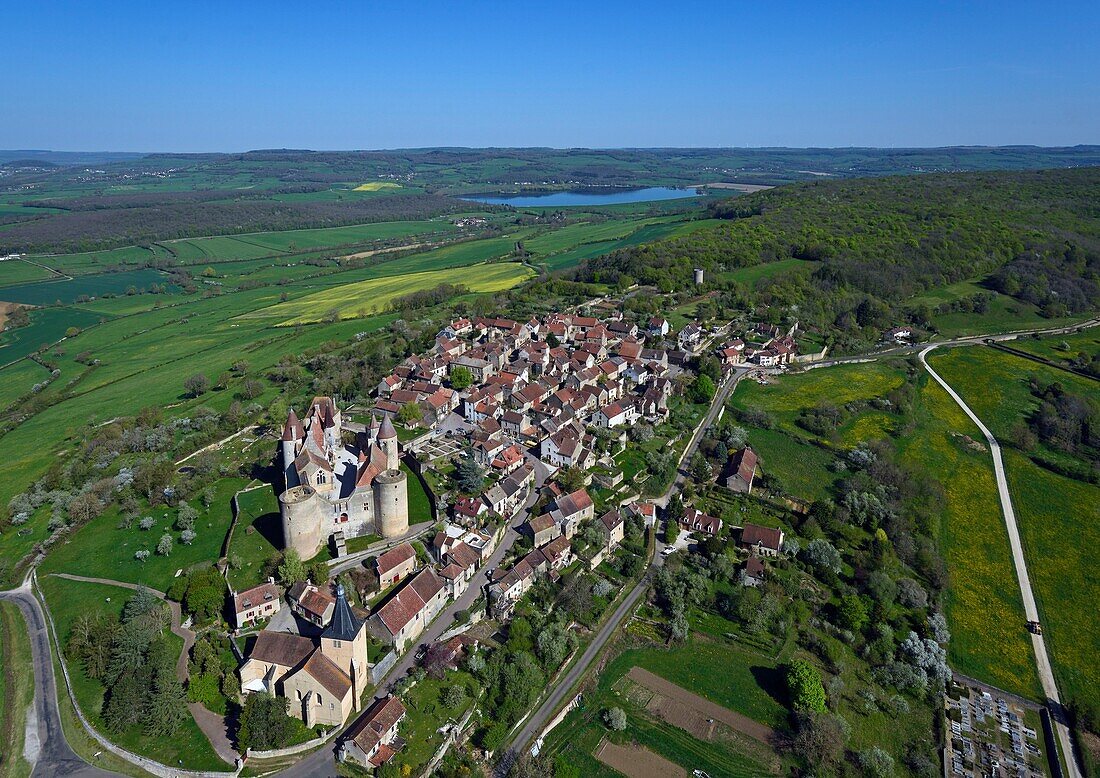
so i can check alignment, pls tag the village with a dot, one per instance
(518, 431)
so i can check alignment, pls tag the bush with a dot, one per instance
(805, 687)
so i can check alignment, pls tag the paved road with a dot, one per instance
(1042, 661)
(535, 724)
(55, 757)
(968, 340)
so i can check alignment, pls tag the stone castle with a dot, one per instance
(333, 487)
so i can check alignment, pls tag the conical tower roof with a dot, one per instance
(344, 625)
(386, 431)
(293, 429)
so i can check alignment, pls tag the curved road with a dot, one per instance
(55, 757)
(1042, 661)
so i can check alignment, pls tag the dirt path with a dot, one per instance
(685, 704)
(215, 727)
(1031, 611)
(389, 250)
(637, 762)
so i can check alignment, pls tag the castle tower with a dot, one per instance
(391, 495)
(344, 641)
(303, 520)
(387, 441)
(293, 431)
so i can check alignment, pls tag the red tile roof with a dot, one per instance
(768, 537)
(395, 557)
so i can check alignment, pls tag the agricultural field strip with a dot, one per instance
(1046, 674)
(708, 709)
(380, 292)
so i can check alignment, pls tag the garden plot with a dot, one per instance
(636, 762)
(693, 713)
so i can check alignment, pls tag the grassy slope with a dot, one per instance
(787, 450)
(69, 599)
(982, 602)
(17, 688)
(1059, 518)
(104, 550)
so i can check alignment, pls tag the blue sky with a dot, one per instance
(232, 76)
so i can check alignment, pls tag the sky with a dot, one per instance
(370, 74)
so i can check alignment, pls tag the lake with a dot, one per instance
(565, 199)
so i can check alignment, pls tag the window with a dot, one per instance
(336, 644)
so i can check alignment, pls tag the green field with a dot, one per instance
(261, 244)
(785, 397)
(50, 292)
(754, 274)
(256, 538)
(17, 689)
(13, 272)
(367, 298)
(69, 599)
(103, 549)
(1087, 342)
(48, 325)
(18, 379)
(1059, 518)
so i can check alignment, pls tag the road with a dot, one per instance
(968, 340)
(536, 722)
(1042, 661)
(55, 757)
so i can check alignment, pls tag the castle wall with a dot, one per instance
(361, 514)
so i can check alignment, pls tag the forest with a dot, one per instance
(864, 248)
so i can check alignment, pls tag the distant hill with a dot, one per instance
(870, 246)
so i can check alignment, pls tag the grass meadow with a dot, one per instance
(15, 272)
(105, 549)
(753, 274)
(1059, 517)
(16, 688)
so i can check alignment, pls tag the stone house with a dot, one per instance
(372, 740)
(762, 541)
(395, 565)
(312, 603)
(255, 604)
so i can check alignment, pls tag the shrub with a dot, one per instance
(615, 719)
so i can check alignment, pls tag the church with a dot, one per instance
(335, 487)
